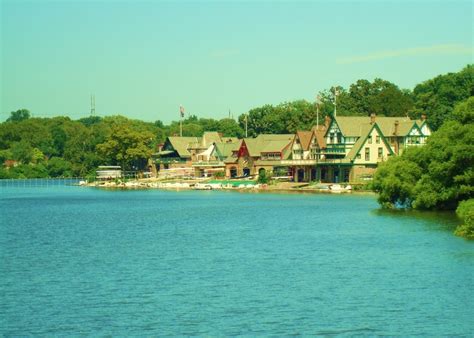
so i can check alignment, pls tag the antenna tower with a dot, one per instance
(92, 105)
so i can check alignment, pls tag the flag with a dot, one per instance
(181, 111)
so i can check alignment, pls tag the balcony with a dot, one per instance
(338, 149)
(208, 164)
(298, 162)
(170, 160)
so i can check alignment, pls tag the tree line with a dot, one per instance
(62, 147)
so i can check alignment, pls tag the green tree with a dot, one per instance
(29, 171)
(465, 211)
(126, 147)
(19, 115)
(395, 182)
(437, 97)
(464, 111)
(379, 97)
(230, 127)
(264, 177)
(22, 151)
(436, 176)
(59, 167)
(284, 118)
(5, 154)
(90, 120)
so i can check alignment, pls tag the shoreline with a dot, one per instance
(240, 186)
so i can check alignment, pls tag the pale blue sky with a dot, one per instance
(143, 59)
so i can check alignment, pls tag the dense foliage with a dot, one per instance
(436, 176)
(61, 147)
(465, 211)
(440, 95)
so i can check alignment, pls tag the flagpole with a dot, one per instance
(246, 128)
(181, 115)
(318, 99)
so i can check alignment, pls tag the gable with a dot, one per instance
(424, 127)
(415, 131)
(168, 146)
(363, 142)
(333, 128)
(243, 150)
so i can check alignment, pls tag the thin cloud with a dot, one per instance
(430, 50)
(223, 53)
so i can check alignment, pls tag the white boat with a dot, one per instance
(202, 186)
(337, 188)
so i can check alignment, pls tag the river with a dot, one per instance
(85, 261)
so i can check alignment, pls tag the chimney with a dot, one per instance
(327, 121)
(423, 116)
(372, 118)
(395, 133)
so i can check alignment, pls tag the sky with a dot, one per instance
(143, 59)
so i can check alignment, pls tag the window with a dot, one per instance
(297, 154)
(331, 137)
(346, 175)
(359, 156)
(370, 139)
(339, 137)
(380, 152)
(367, 154)
(377, 139)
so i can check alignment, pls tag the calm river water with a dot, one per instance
(95, 262)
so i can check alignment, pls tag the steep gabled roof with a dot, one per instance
(354, 126)
(225, 149)
(181, 144)
(319, 132)
(267, 143)
(210, 137)
(252, 146)
(274, 146)
(422, 123)
(305, 138)
(387, 125)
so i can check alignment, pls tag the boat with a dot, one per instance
(202, 186)
(337, 188)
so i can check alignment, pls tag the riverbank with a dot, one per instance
(213, 184)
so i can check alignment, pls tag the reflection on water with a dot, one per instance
(442, 220)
